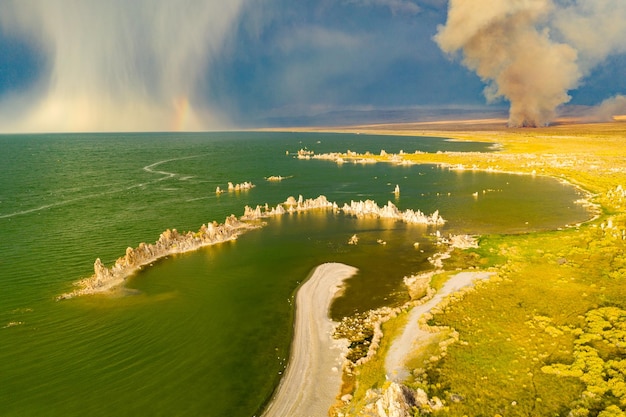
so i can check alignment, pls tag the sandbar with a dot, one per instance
(413, 337)
(312, 379)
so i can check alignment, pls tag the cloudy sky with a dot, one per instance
(84, 65)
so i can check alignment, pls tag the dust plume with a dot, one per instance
(533, 52)
(117, 65)
(608, 109)
(594, 27)
(502, 43)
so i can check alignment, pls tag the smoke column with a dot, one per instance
(605, 111)
(118, 65)
(532, 52)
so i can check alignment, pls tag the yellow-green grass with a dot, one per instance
(586, 154)
(505, 341)
(515, 330)
(552, 277)
(429, 352)
(437, 281)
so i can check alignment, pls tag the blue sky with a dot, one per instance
(68, 65)
(323, 55)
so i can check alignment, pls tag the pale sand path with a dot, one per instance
(312, 379)
(413, 337)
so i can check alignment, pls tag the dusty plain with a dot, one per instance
(546, 335)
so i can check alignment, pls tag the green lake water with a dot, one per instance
(207, 333)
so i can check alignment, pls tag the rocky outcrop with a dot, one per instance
(459, 241)
(357, 158)
(238, 187)
(301, 204)
(418, 285)
(359, 209)
(169, 242)
(369, 208)
(277, 178)
(364, 332)
(305, 154)
(235, 187)
(262, 212)
(291, 205)
(397, 400)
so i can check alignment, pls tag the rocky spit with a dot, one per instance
(171, 241)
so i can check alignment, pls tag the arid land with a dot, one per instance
(547, 334)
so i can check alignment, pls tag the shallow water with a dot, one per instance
(207, 333)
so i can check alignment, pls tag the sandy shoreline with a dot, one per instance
(312, 379)
(413, 336)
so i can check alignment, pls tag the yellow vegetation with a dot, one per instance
(549, 336)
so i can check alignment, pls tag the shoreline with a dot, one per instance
(413, 336)
(313, 377)
(340, 158)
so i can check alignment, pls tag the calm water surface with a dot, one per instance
(207, 333)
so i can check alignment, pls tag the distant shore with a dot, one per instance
(313, 377)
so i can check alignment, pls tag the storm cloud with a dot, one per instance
(118, 65)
